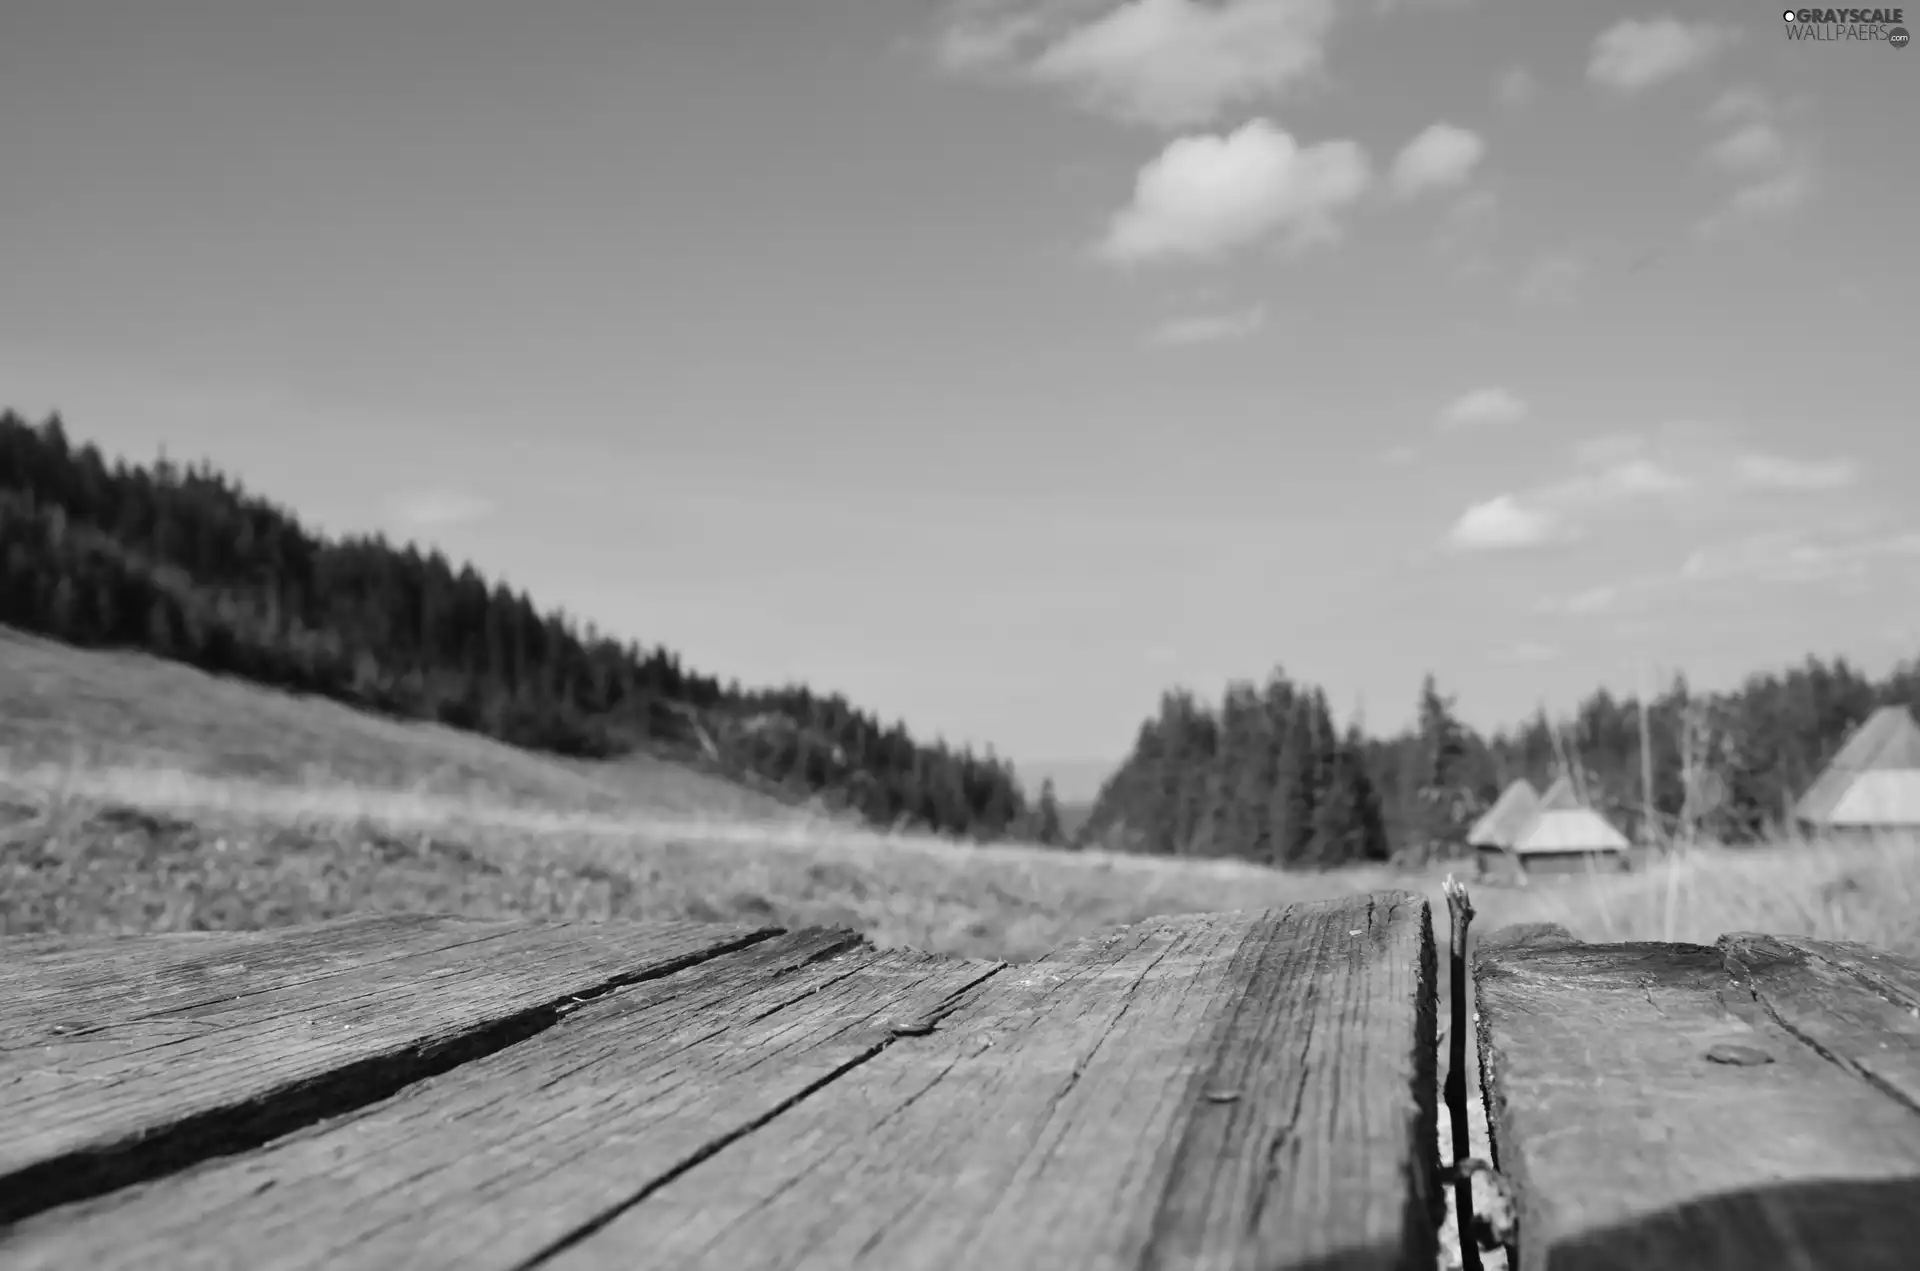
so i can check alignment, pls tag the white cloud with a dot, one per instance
(1515, 87)
(979, 34)
(1619, 597)
(434, 509)
(1164, 63)
(1754, 145)
(1621, 467)
(1211, 328)
(1792, 556)
(1775, 556)
(1754, 555)
(1208, 195)
(1551, 279)
(1441, 156)
(1501, 522)
(1778, 472)
(1483, 406)
(1637, 53)
(1742, 101)
(1777, 195)
(1777, 173)
(1616, 479)
(1609, 448)
(1631, 479)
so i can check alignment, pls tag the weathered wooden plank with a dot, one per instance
(82, 984)
(1651, 1114)
(145, 1091)
(1855, 1005)
(490, 1164)
(1226, 1091)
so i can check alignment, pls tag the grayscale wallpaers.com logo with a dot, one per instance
(1848, 24)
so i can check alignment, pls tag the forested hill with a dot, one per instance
(185, 564)
(1264, 775)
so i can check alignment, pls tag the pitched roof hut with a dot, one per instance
(1873, 782)
(1563, 825)
(1500, 824)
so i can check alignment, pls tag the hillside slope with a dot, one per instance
(137, 794)
(64, 707)
(186, 565)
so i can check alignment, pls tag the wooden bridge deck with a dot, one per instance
(1223, 1091)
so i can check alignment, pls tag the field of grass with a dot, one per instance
(116, 711)
(140, 795)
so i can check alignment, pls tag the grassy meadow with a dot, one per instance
(141, 795)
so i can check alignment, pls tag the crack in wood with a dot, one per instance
(89, 1172)
(721, 1142)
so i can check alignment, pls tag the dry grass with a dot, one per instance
(148, 850)
(139, 795)
(103, 711)
(1867, 891)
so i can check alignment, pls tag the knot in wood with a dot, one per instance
(1739, 1056)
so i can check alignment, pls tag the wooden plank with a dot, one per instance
(1225, 1091)
(144, 1091)
(1651, 1113)
(84, 984)
(1857, 1006)
(490, 1164)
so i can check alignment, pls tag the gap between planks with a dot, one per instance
(99, 1104)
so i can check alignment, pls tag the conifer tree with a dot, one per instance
(1047, 816)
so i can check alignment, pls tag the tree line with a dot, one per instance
(1265, 776)
(184, 563)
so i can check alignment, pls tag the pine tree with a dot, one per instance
(1348, 827)
(1296, 790)
(1261, 770)
(1047, 816)
(1444, 751)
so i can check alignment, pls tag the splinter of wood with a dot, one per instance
(1460, 913)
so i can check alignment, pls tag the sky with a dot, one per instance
(1003, 363)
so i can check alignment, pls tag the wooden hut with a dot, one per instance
(1563, 836)
(1873, 783)
(1492, 836)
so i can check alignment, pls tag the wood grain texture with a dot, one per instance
(1855, 1005)
(1226, 1091)
(1653, 1114)
(220, 1045)
(88, 984)
(491, 1164)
